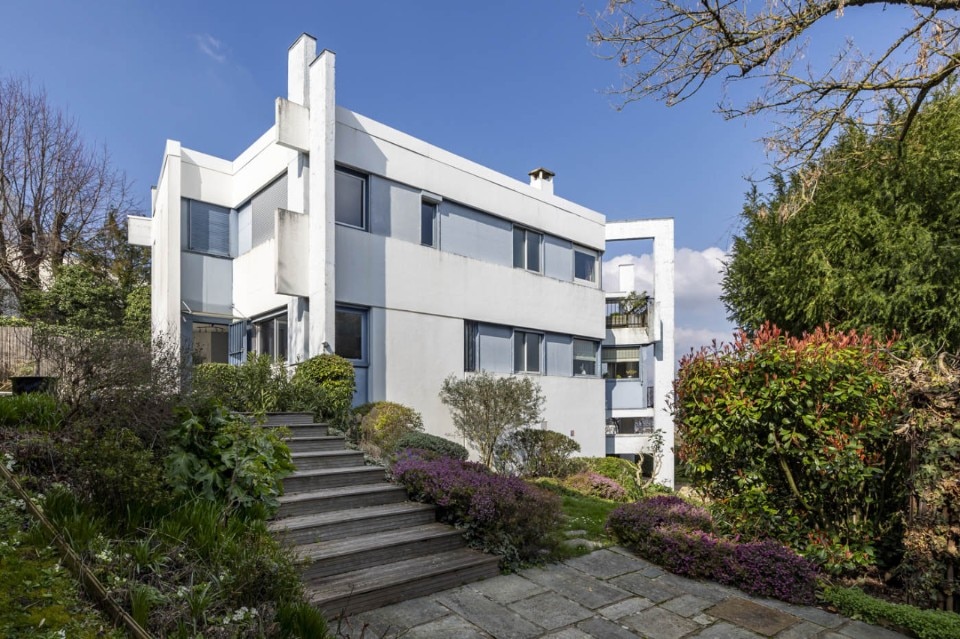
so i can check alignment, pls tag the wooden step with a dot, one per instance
(377, 586)
(286, 419)
(315, 444)
(325, 459)
(308, 529)
(312, 480)
(329, 499)
(302, 430)
(327, 558)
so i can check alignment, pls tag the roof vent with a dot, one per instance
(541, 178)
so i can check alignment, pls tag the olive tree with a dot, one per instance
(486, 407)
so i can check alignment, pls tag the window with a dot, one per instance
(526, 352)
(351, 329)
(584, 357)
(471, 335)
(621, 363)
(526, 249)
(428, 223)
(270, 337)
(209, 228)
(584, 265)
(351, 199)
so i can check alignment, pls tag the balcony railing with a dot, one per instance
(618, 318)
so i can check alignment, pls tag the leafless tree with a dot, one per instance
(670, 49)
(56, 191)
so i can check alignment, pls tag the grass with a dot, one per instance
(589, 514)
(39, 598)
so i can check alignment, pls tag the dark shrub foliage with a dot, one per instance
(676, 535)
(429, 444)
(383, 426)
(532, 452)
(792, 438)
(501, 515)
(596, 485)
(334, 375)
(256, 386)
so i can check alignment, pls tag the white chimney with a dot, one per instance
(541, 178)
(627, 278)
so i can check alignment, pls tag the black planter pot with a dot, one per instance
(32, 384)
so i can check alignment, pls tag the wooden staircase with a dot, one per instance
(364, 545)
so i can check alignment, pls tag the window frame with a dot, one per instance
(433, 202)
(364, 314)
(364, 198)
(596, 357)
(471, 346)
(525, 367)
(256, 327)
(582, 250)
(522, 259)
(224, 210)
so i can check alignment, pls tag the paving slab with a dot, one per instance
(451, 626)
(802, 630)
(763, 620)
(626, 607)
(860, 630)
(724, 630)
(605, 564)
(402, 616)
(657, 623)
(567, 633)
(488, 615)
(646, 587)
(809, 613)
(550, 610)
(573, 584)
(687, 605)
(605, 629)
(507, 588)
(704, 589)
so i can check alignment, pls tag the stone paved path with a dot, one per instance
(609, 594)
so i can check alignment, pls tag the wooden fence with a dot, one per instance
(16, 354)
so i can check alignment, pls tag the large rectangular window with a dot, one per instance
(209, 228)
(621, 362)
(584, 265)
(584, 357)
(351, 331)
(428, 223)
(526, 352)
(527, 248)
(270, 337)
(351, 198)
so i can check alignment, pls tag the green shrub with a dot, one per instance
(619, 470)
(532, 452)
(222, 457)
(923, 624)
(334, 376)
(792, 438)
(117, 473)
(593, 484)
(384, 425)
(256, 386)
(438, 446)
(31, 411)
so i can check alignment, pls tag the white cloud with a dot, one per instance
(700, 315)
(211, 47)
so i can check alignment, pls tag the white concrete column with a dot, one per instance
(665, 361)
(627, 277)
(299, 56)
(165, 311)
(322, 202)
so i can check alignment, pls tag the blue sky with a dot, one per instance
(509, 84)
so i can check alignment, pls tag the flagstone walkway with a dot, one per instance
(608, 594)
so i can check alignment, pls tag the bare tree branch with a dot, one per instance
(55, 191)
(669, 49)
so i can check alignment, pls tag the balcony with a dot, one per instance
(630, 394)
(630, 319)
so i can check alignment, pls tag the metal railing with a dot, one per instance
(617, 318)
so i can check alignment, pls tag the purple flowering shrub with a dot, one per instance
(679, 536)
(501, 515)
(595, 485)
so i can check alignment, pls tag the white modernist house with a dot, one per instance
(336, 233)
